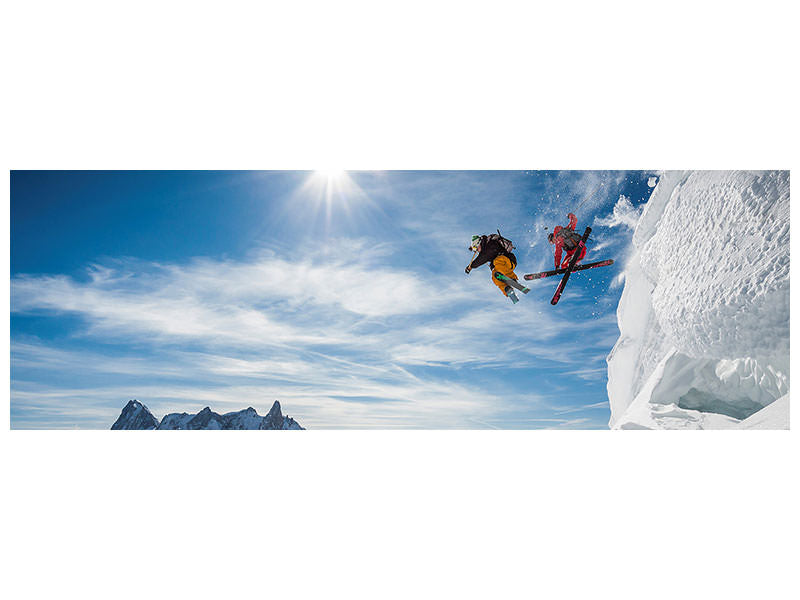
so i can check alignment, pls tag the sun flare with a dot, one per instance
(332, 190)
(331, 174)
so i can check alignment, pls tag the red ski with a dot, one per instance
(601, 263)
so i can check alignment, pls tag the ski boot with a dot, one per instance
(509, 291)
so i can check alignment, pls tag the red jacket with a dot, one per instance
(559, 239)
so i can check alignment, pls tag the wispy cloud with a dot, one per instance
(572, 409)
(257, 335)
(381, 397)
(221, 301)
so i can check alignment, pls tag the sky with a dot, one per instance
(340, 294)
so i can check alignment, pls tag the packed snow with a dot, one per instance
(704, 315)
(774, 416)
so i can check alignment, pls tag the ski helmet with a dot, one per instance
(475, 245)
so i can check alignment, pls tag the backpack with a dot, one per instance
(505, 244)
(570, 238)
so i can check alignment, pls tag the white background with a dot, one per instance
(500, 85)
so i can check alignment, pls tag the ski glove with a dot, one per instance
(468, 269)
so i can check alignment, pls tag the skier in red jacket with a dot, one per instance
(565, 238)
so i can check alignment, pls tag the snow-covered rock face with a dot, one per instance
(704, 316)
(207, 419)
(135, 416)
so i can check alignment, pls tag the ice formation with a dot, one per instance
(704, 316)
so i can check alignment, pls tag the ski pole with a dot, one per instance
(473, 258)
(589, 197)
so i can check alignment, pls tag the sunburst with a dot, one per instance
(330, 190)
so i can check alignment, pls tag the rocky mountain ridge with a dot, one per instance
(136, 415)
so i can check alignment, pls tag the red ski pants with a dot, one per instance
(581, 248)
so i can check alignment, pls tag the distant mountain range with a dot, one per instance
(136, 415)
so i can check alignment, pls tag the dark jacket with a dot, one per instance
(491, 249)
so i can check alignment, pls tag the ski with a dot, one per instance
(568, 272)
(543, 274)
(512, 283)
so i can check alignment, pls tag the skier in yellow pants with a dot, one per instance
(497, 251)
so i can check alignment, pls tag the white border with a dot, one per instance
(510, 85)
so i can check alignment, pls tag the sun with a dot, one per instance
(330, 191)
(331, 186)
(331, 175)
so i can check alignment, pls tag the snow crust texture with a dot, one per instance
(131, 418)
(704, 315)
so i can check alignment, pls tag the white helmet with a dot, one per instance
(475, 245)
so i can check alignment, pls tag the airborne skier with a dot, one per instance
(497, 251)
(565, 238)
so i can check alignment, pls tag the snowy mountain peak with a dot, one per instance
(274, 418)
(135, 415)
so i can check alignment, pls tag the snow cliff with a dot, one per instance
(704, 315)
(136, 416)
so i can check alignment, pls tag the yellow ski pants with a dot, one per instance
(502, 264)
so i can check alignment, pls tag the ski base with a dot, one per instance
(543, 274)
(512, 282)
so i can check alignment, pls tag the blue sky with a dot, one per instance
(342, 295)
